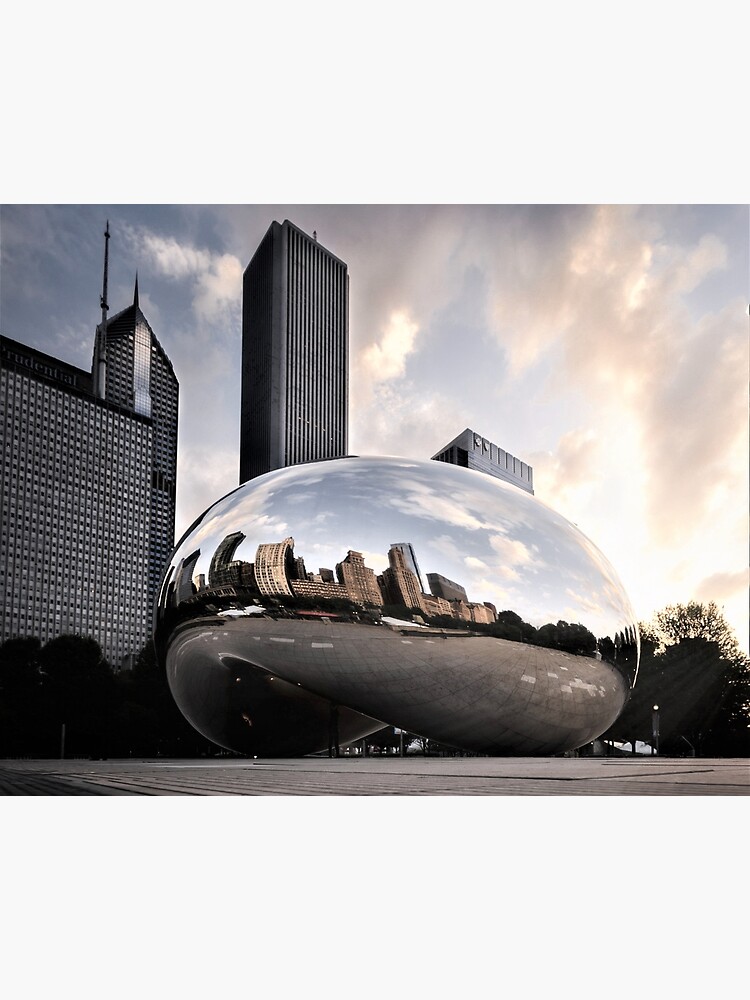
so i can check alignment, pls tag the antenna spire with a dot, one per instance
(100, 373)
(135, 294)
(105, 306)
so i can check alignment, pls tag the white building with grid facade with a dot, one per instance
(88, 490)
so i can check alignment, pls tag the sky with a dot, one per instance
(605, 345)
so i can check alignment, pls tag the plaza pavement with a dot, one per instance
(380, 776)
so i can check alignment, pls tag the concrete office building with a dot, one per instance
(295, 346)
(472, 451)
(88, 493)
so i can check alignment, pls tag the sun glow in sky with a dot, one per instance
(604, 345)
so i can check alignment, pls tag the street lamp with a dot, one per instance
(655, 730)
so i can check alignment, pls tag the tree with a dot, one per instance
(151, 723)
(693, 669)
(698, 621)
(80, 692)
(20, 695)
(571, 638)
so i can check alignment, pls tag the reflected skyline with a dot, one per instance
(282, 576)
(498, 560)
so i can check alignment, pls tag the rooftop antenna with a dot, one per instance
(101, 340)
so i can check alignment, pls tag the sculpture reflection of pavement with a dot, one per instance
(471, 691)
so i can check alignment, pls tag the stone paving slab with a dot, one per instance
(457, 776)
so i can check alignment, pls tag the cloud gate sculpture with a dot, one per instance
(318, 603)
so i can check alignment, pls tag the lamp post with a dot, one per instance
(655, 730)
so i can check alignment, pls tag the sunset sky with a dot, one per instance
(604, 345)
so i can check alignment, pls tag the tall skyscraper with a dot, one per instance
(472, 451)
(295, 351)
(88, 493)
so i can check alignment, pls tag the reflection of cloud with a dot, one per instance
(472, 563)
(446, 545)
(508, 573)
(421, 501)
(512, 552)
(376, 561)
(588, 603)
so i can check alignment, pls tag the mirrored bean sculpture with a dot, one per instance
(318, 603)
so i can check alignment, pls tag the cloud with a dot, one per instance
(386, 359)
(709, 255)
(695, 428)
(720, 586)
(173, 259)
(567, 476)
(219, 287)
(398, 418)
(215, 279)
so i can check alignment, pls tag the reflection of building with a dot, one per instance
(441, 586)
(481, 613)
(472, 451)
(400, 584)
(88, 487)
(358, 579)
(221, 560)
(470, 611)
(274, 565)
(295, 333)
(410, 559)
(436, 606)
(318, 589)
(184, 588)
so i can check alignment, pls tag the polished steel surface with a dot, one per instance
(293, 614)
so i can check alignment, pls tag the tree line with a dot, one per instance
(63, 697)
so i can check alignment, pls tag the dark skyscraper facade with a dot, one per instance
(88, 493)
(295, 347)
